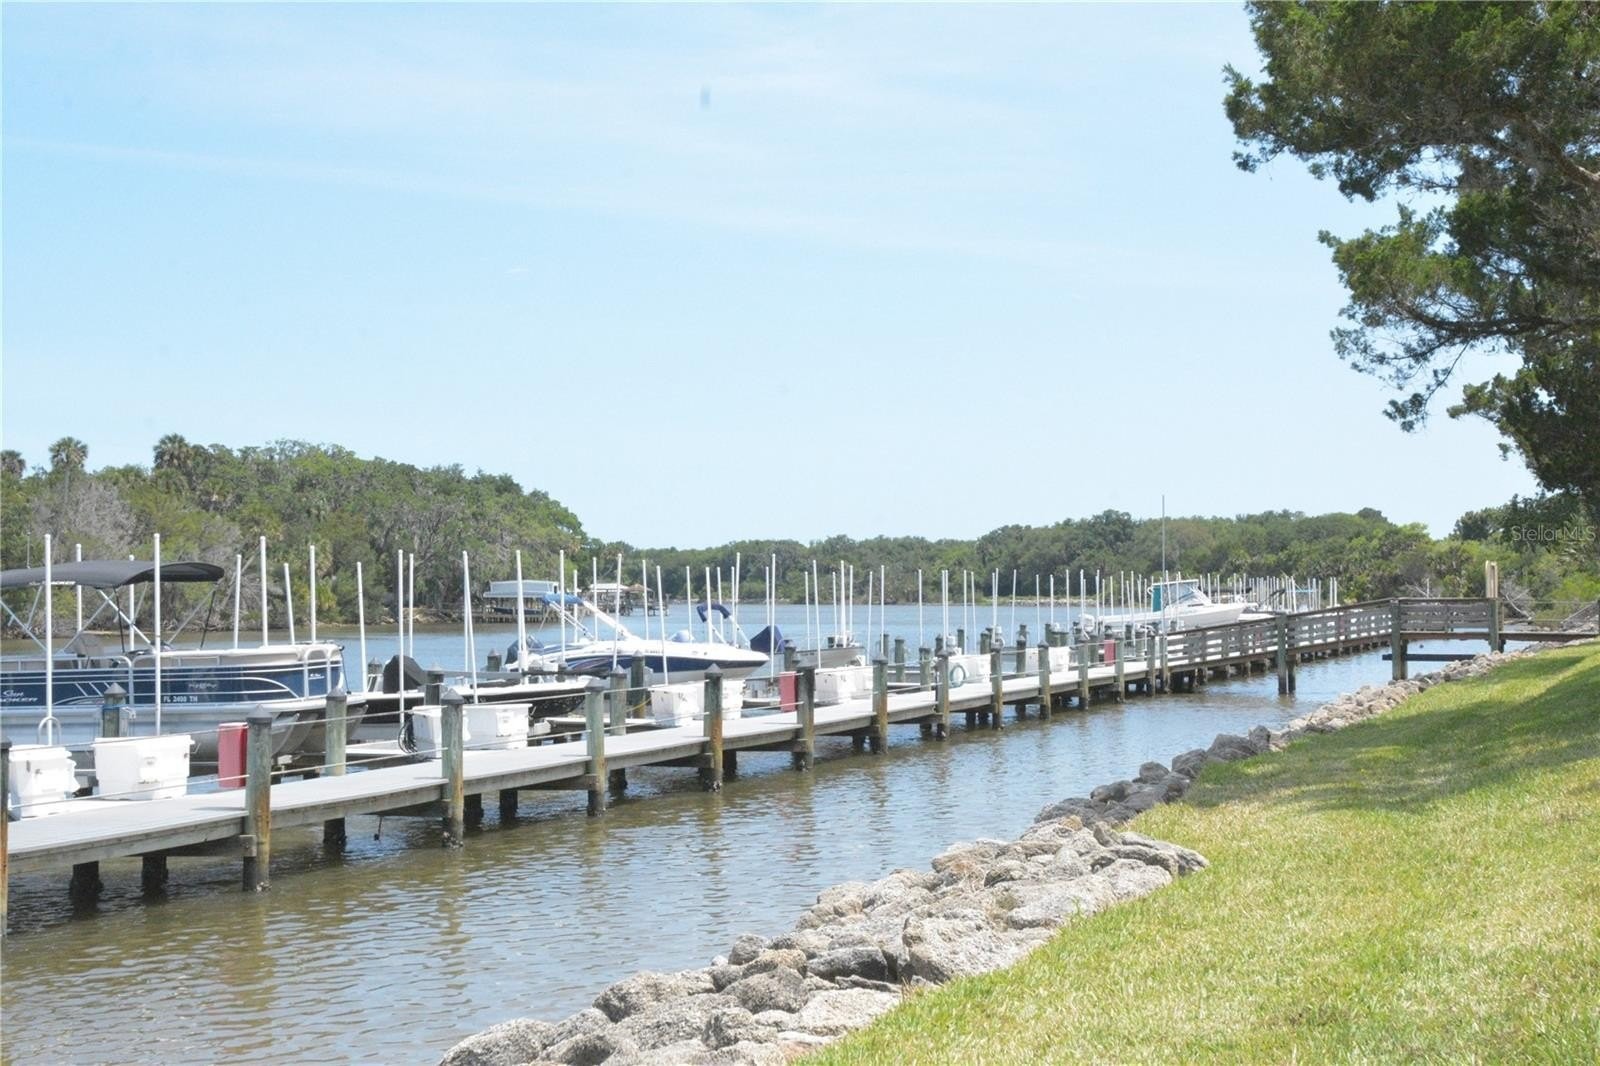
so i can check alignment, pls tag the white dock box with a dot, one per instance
(686, 700)
(427, 731)
(500, 726)
(843, 683)
(143, 768)
(42, 776)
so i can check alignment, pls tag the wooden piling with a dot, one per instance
(257, 864)
(805, 746)
(85, 886)
(880, 704)
(508, 804)
(900, 660)
(638, 689)
(335, 732)
(153, 872)
(1022, 653)
(453, 765)
(1083, 674)
(1117, 647)
(1046, 696)
(996, 687)
(941, 725)
(924, 669)
(617, 700)
(594, 720)
(790, 657)
(961, 640)
(711, 773)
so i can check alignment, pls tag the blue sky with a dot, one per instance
(698, 272)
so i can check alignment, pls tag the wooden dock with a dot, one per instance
(452, 788)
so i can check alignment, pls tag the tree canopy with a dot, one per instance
(1483, 122)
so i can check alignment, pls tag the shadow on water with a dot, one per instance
(397, 948)
(1407, 763)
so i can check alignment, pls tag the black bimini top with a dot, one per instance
(109, 573)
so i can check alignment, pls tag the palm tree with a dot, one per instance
(11, 462)
(68, 454)
(172, 452)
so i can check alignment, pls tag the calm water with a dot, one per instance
(398, 948)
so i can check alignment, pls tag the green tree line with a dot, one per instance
(213, 502)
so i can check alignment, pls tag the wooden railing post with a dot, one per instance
(452, 759)
(1282, 658)
(805, 749)
(880, 704)
(711, 773)
(1046, 697)
(257, 863)
(594, 722)
(996, 687)
(1397, 642)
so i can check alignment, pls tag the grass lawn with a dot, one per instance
(1424, 886)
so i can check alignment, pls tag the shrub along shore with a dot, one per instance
(1425, 886)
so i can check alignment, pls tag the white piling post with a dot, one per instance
(312, 572)
(238, 581)
(49, 723)
(361, 626)
(263, 546)
(157, 588)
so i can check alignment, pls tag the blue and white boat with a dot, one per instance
(201, 687)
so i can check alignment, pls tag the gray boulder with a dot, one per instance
(1130, 879)
(1191, 762)
(1051, 905)
(507, 1044)
(590, 1049)
(1229, 748)
(745, 948)
(1110, 793)
(671, 1021)
(1151, 772)
(646, 988)
(861, 961)
(774, 959)
(838, 1012)
(732, 1025)
(781, 989)
(957, 944)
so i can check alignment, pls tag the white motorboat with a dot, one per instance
(1174, 605)
(595, 642)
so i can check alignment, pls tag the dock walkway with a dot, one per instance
(90, 830)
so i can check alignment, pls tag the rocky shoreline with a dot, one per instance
(849, 958)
